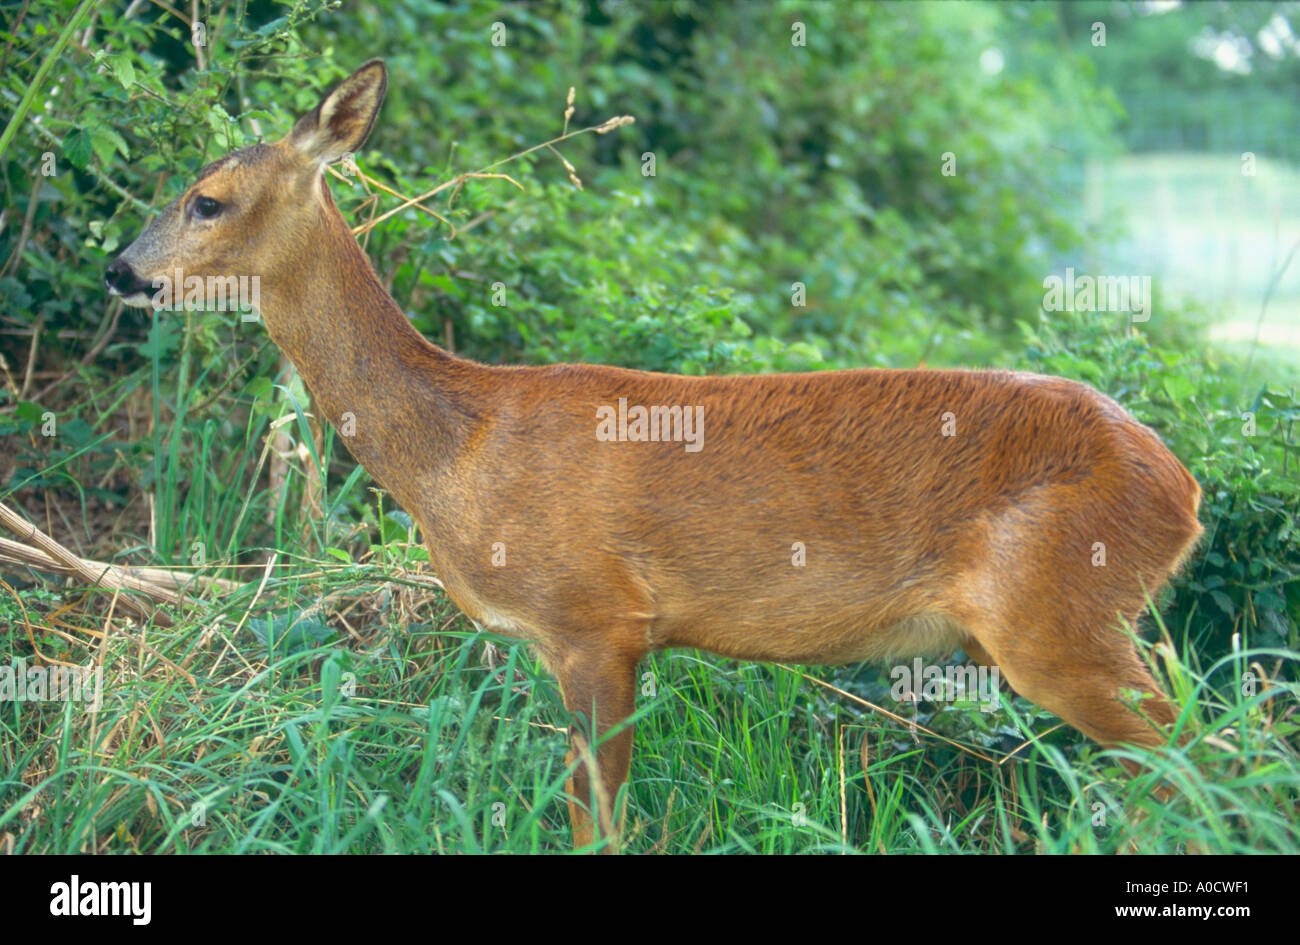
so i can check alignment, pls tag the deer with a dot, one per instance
(602, 514)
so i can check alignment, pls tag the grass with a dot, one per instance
(400, 733)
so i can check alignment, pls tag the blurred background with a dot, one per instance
(807, 185)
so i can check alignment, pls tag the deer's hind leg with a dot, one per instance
(1043, 608)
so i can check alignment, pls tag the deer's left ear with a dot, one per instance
(341, 122)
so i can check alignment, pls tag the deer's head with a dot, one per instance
(250, 213)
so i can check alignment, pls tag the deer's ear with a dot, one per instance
(340, 123)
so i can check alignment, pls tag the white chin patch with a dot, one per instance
(138, 299)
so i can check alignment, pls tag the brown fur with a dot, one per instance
(915, 541)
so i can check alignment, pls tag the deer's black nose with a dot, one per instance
(121, 278)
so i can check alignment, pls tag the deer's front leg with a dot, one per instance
(598, 682)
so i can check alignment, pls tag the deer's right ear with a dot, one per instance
(340, 123)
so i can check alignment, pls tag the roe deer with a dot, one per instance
(824, 518)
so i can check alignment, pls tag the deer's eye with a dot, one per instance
(206, 208)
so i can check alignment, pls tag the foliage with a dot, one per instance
(759, 174)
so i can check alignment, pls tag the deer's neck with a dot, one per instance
(401, 405)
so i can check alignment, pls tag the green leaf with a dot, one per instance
(261, 388)
(285, 635)
(78, 148)
(105, 141)
(258, 114)
(29, 411)
(218, 119)
(1224, 602)
(1180, 388)
(123, 70)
